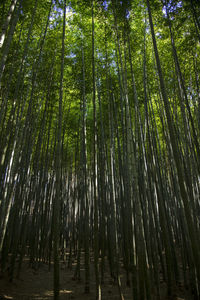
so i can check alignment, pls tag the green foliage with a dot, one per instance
(40, 67)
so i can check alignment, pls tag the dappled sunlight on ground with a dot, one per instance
(37, 284)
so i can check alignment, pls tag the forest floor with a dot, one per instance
(37, 284)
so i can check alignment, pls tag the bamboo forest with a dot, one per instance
(100, 149)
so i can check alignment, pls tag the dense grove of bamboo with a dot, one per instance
(99, 141)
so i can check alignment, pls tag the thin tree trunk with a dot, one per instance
(57, 199)
(7, 22)
(194, 240)
(96, 229)
(7, 44)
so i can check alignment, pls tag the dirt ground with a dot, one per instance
(38, 285)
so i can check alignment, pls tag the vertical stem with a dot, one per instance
(187, 209)
(56, 212)
(96, 244)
